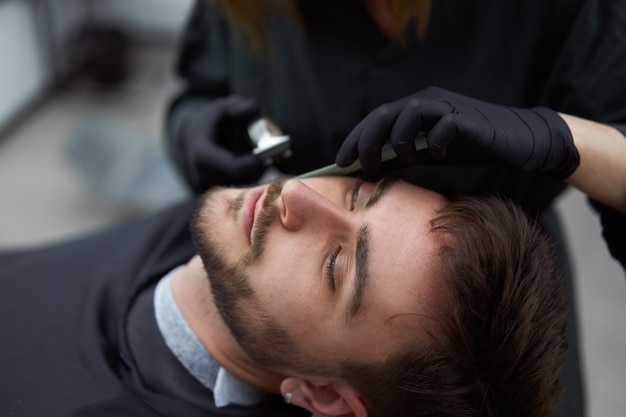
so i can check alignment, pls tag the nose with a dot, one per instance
(303, 206)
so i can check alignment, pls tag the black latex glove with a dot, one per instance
(215, 145)
(463, 131)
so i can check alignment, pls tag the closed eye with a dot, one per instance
(330, 267)
(334, 255)
(355, 195)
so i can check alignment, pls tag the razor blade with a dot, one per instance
(386, 154)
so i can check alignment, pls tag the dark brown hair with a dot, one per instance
(503, 341)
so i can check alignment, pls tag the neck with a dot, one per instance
(192, 292)
(383, 13)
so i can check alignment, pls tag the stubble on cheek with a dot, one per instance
(236, 205)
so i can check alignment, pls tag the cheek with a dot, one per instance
(291, 289)
(285, 281)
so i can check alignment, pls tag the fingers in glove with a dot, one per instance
(249, 169)
(226, 162)
(469, 138)
(442, 135)
(374, 135)
(231, 169)
(245, 109)
(348, 151)
(418, 115)
(371, 134)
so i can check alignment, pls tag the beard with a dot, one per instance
(237, 303)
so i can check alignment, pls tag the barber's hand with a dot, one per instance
(463, 131)
(215, 145)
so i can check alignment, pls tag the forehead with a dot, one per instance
(405, 288)
(404, 254)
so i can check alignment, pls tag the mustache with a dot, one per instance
(267, 216)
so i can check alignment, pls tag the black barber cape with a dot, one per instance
(64, 348)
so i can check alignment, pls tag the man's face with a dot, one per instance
(346, 269)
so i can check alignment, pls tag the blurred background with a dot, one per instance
(83, 90)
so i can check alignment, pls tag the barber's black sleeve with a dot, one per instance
(201, 65)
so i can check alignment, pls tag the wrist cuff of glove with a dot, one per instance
(563, 157)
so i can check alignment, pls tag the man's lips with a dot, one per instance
(250, 211)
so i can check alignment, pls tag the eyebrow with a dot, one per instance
(361, 270)
(383, 186)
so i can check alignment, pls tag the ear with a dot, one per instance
(324, 398)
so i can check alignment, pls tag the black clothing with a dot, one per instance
(613, 231)
(63, 319)
(319, 82)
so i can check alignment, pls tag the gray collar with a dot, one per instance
(185, 345)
